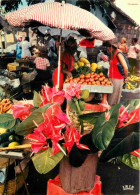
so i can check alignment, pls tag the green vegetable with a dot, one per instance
(4, 137)
(81, 70)
(4, 144)
(13, 138)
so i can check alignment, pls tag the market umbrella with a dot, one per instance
(62, 16)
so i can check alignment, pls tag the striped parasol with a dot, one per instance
(61, 16)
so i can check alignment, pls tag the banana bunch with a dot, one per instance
(134, 78)
(130, 86)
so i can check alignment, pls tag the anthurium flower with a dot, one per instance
(123, 116)
(21, 111)
(71, 136)
(134, 116)
(73, 90)
(51, 95)
(136, 152)
(38, 140)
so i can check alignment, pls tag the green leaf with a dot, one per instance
(104, 130)
(133, 104)
(73, 106)
(27, 126)
(120, 146)
(7, 121)
(36, 99)
(44, 162)
(90, 117)
(85, 94)
(130, 160)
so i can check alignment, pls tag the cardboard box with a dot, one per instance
(12, 66)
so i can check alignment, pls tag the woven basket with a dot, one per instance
(15, 184)
(4, 162)
(75, 122)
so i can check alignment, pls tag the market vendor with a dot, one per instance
(42, 62)
(67, 58)
(115, 76)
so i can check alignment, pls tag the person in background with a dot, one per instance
(25, 45)
(42, 62)
(67, 58)
(114, 75)
(123, 46)
(18, 48)
(132, 54)
(104, 61)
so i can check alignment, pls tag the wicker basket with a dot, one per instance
(15, 184)
(75, 122)
(4, 162)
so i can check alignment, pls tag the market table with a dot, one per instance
(96, 89)
(21, 169)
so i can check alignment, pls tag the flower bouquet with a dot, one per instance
(53, 137)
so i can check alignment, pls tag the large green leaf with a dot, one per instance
(133, 104)
(27, 126)
(104, 129)
(130, 160)
(90, 117)
(120, 146)
(7, 121)
(44, 162)
(36, 99)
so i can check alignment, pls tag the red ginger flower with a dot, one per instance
(51, 95)
(73, 90)
(21, 111)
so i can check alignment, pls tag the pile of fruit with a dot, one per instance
(8, 138)
(90, 79)
(130, 86)
(81, 62)
(84, 62)
(133, 78)
(5, 105)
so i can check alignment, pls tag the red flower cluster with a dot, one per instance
(21, 111)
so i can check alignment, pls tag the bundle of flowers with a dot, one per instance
(53, 136)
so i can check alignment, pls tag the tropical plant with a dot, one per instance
(52, 135)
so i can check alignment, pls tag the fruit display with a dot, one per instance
(130, 86)
(90, 79)
(82, 62)
(5, 105)
(94, 67)
(133, 78)
(8, 138)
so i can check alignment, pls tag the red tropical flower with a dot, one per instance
(73, 90)
(123, 116)
(51, 129)
(71, 136)
(51, 95)
(21, 111)
(38, 140)
(134, 116)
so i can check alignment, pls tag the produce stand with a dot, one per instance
(96, 89)
(21, 171)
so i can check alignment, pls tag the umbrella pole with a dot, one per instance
(59, 61)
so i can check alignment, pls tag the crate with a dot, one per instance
(12, 66)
